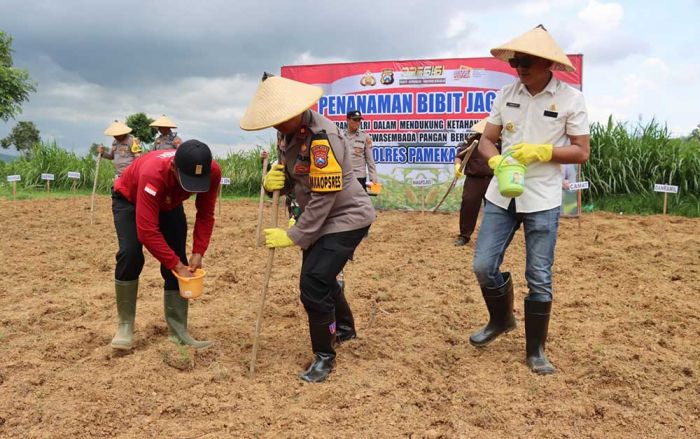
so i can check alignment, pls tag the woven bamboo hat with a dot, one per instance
(480, 126)
(537, 42)
(163, 122)
(277, 100)
(117, 129)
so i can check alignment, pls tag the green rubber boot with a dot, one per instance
(126, 308)
(176, 315)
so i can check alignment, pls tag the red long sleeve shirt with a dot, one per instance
(151, 185)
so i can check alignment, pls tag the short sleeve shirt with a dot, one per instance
(554, 114)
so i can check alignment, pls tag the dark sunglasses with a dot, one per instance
(521, 61)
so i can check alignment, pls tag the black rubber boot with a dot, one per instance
(176, 310)
(461, 241)
(322, 330)
(499, 302)
(536, 326)
(126, 292)
(345, 323)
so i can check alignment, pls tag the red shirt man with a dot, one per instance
(147, 208)
(151, 184)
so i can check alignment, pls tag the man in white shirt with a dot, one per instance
(544, 123)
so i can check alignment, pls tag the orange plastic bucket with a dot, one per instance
(191, 287)
(374, 188)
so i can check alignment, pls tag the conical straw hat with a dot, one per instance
(163, 122)
(536, 42)
(117, 129)
(277, 100)
(480, 126)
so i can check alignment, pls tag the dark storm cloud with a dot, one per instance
(145, 41)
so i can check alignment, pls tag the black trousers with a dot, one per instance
(173, 226)
(472, 198)
(322, 263)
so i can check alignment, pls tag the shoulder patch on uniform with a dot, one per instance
(150, 190)
(325, 173)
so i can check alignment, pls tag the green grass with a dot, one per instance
(630, 160)
(646, 204)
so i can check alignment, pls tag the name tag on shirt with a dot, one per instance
(550, 113)
(512, 104)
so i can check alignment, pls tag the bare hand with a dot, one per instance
(264, 154)
(182, 270)
(195, 262)
(100, 149)
(566, 185)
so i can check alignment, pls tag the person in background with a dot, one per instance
(360, 144)
(167, 139)
(478, 178)
(125, 147)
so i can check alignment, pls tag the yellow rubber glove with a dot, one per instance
(274, 180)
(458, 171)
(527, 153)
(494, 161)
(135, 146)
(277, 238)
(291, 222)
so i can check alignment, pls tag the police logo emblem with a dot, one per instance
(320, 153)
(387, 77)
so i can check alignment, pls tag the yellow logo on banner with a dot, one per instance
(325, 174)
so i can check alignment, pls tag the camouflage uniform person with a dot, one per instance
(167, 139)
(336, 212)
(125, 147)
(360, 143)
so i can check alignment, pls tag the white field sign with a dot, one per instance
(225, 180)
(11, 178)
(74, 175)
(666, 189)
(581, 185)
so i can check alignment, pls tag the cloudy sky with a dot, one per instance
(200, 61)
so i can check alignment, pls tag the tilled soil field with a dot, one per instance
(624, 336)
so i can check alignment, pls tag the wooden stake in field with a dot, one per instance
(467, 155)
(47, 178)
(94, 188)
(219, 200)
(14, 179)
(262, 201)
(268, 270)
